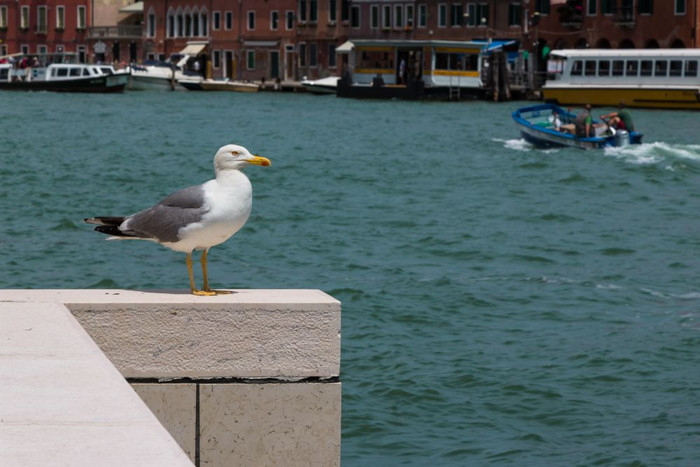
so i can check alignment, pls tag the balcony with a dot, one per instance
(116, 32)
(624, 16)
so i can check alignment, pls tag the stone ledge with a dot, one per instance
(64, 403)
(253, 334)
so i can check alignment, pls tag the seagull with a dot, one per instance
(197, 217)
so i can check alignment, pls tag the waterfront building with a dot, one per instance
(292, 39)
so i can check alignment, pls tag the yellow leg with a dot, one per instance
(193, 289)
(205, 284)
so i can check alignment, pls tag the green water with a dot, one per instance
(501, 305)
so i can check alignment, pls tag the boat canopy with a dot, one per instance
(194, 48)
(345, 48)
(492, 46)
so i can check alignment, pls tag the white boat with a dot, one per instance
(60, 77)
(327, 85)
(159, 77)
(226, 85)
(653, 78)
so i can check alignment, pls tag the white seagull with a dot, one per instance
(194, 218)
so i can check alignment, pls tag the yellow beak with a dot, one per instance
(259, 160)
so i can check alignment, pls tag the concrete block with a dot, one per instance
(175, 406)
(280, 334)
(292, 424)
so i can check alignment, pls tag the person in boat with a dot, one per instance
(584, 123)
(556, 121)
(620, 120)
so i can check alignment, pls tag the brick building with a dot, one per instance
(290, 39)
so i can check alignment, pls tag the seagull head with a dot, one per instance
(234, 157)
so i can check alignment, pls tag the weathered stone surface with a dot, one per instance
(282, 334)
(175, 406)
(270, 424)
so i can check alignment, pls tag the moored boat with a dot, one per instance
(537, 126)
(327, 85)
(17, 75)
(651, 78)
(226, 85)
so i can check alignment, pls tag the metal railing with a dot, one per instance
(116, 32)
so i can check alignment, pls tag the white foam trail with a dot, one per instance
(516, 144)
(655, 153)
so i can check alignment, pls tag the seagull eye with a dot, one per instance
(234, 153)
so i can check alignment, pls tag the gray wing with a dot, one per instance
(163, 221)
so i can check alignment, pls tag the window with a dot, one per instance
(374, 17)
(302, 54)
(456, 14)
(228, 20)
(216, 59)
(543, 6)
(577, 68)
(216, 19)
(313, 55)
(344, 10)
(482, 12)
(590, 68)
(680, 7)
(195, 23)
(250, 60)
(3, 17)
(442, 15)
(289, 20)
(632, 68)
(302, 11)
(422, 16)
(313, 11)
(604, 68)
(332, 62)
(456, 61)
(409, 16)
(204, 23)
(646, 7)
(75, 71)
(332, 11)
(274, 20)
(151, 24)
(251, 20)
(60, 17)
(515, 14)
(675, 68)
(41, 19)
(355, 16)
(471, 14)
(592, 10)
(81, 16)
(645, 68)
(691, 68)
(24, 18)
(661, 68)
(618, 67)
(398, 16)
(607, 7)
(386, 17)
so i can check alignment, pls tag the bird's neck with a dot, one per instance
(229, 175)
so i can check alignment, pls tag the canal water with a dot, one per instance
(501, 304)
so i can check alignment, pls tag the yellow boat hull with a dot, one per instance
(655, 98)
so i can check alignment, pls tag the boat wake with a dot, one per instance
(657, 153)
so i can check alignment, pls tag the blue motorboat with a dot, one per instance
(538, 126)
